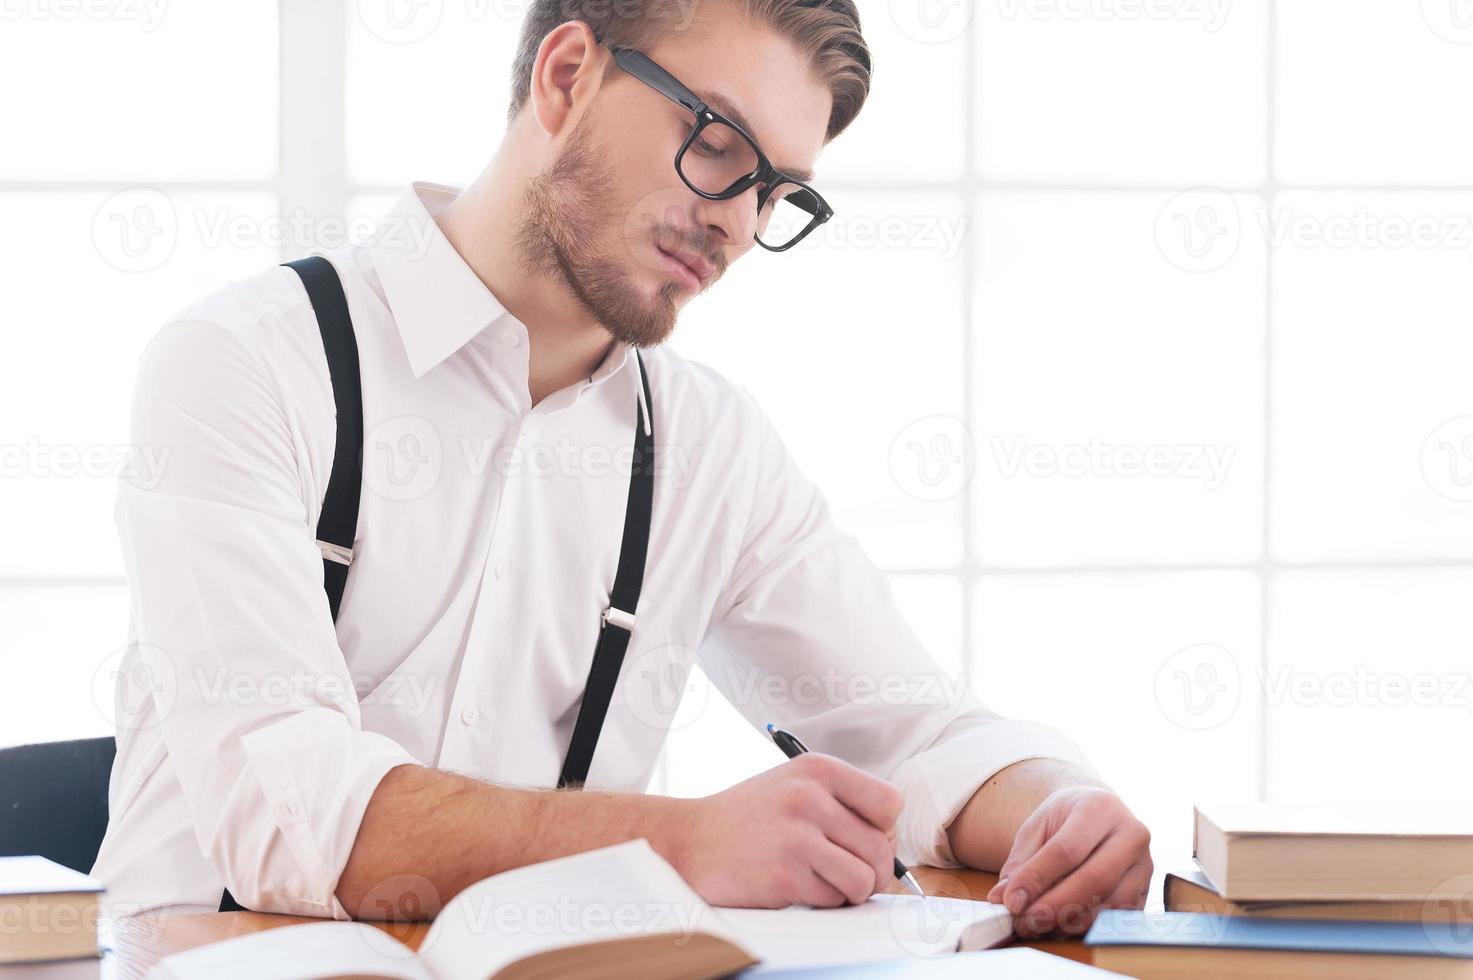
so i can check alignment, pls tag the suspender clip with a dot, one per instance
(336, 552)
(619, 618)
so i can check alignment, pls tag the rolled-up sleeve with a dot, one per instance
(806, 609)
(255, 702)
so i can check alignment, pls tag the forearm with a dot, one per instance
(427, 834)
(982, 834)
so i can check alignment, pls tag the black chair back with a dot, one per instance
(53, 800)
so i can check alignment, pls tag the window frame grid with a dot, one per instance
(312, 178)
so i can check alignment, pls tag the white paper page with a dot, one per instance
(1013, 963)
(303, 952)
(883, 928)
(1371, 820)
(610, 893)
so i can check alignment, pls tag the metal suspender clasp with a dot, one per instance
(619, 618)
(336, 552)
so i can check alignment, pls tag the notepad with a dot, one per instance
(882, 928)
(618, 912)
(1013, 963)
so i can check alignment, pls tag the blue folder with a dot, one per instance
(1122, 927)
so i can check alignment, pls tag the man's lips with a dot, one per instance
(691, 268)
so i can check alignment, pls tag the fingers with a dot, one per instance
(1075, 919)
(848, 853)
(849, 875)
(1134, 888)
(874, 800)
(1060, 854)
(813, 889)
(874, 848)
(1070, 904)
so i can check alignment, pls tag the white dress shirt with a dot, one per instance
(253, 730)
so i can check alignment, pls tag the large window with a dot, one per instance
(1142, 365)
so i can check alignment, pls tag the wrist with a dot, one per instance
(981, 835)
(671, 821)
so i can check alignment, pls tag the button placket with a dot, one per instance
(468, 751)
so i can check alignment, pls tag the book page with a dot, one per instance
(619, 891)
(1368, 821)
(31, 874)
(885, 927)
(300, 952)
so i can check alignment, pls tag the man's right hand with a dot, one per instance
(812, 831)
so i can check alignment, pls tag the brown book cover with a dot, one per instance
(47, 912)
(1190, 890)
(1278, 853)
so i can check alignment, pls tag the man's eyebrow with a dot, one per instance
(728, 109)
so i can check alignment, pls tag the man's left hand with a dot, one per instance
(1082, 850)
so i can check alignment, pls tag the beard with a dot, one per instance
(563, 210)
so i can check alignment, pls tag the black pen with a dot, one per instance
(793, 747)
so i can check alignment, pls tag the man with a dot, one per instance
(380, 763)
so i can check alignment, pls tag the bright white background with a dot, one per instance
(1139, 352)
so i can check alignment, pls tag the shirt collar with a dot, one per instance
(437, 301)
(620, 356)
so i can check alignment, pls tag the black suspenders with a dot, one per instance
(338, 522)
(618, 619)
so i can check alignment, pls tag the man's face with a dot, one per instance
(612, 219)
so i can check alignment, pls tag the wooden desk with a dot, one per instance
(139, 942)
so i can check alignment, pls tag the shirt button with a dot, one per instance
(501, 569)
(469, 714)
(509, 339)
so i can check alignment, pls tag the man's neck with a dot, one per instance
(566, 343)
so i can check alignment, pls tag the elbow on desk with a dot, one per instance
(266, 876)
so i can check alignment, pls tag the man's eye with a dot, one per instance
(707, 149)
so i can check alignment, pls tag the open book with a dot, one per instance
(617, 912)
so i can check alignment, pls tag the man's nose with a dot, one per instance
(732, 223)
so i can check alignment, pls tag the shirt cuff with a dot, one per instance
(938, 782)
(317, 774)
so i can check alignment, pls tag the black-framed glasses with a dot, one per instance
(719, 160)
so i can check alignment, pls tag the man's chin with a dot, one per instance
(641, 335)
(644, 322)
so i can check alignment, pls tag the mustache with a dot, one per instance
(673, 239)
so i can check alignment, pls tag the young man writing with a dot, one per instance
(645, 154)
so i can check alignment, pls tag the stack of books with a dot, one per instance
(48, 921)
(1307, 892)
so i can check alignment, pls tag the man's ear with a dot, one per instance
(566, 75)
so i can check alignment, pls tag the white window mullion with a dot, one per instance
(313, 179)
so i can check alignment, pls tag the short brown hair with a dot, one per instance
(827, 30)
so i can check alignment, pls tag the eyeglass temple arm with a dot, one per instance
(640, 66)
